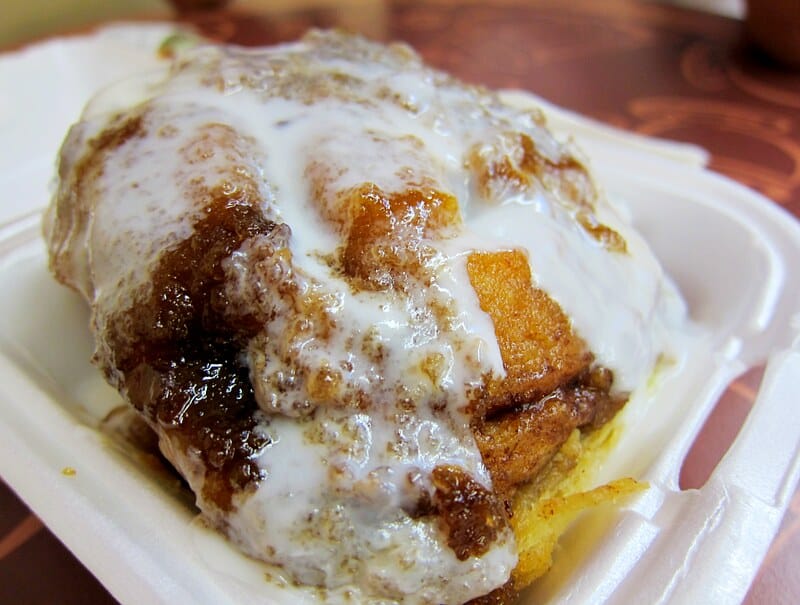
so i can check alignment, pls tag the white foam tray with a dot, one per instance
(734, 256)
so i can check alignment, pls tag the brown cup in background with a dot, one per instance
(774, 26)
(188, 6)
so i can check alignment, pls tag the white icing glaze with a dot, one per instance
(331, 509)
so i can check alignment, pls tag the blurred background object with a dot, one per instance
(774, 25)
(771, 25)
(728, 8)
(198, 5)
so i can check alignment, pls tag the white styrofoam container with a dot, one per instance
(734, 256)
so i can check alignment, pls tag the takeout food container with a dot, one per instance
(733, 255)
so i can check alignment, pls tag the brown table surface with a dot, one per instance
(653, 69)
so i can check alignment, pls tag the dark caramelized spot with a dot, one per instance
(472, 514)
(207, 408)
(384, 244)
(505, 595)
(178, 347)
(186, 303)
(598, 381)
(120, 132)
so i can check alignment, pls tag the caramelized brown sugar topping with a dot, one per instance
(178, 344)
(385, 242)
(537, 344)
(180, 350)
(472, 514)
(389, 228)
